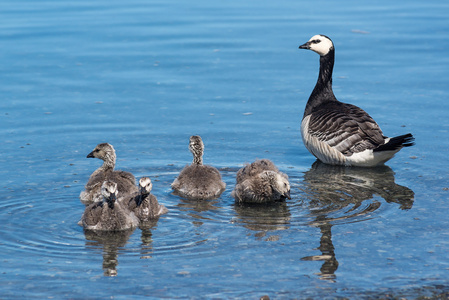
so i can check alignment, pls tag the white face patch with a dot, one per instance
(145, 182)
(320, 44)
(282, 183)
(108, 188)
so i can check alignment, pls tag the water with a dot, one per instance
(144, 76)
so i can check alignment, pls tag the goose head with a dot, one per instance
(109, 192)
(145, 185)
(105, 152)
(279, 183)
(196, 146)
(320, 44)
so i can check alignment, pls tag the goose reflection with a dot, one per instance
(146, 237)
(111, 242)
(339, 194)
(196, 208)
(264, 218)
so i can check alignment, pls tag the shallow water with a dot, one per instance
(144, 76)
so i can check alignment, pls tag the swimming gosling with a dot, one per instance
(198, 181)
(261, 182)
(126, 182)
(109, 214)
(145, 205)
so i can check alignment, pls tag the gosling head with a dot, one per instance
(109, 192)
(279, 183)
(145, 185)
(320, 44)
(105, 152)
(196, 146)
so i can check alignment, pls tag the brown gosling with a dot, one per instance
(198, 181)
(126, 182)
(261, 182)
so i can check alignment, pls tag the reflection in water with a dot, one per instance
(264, 217)
(111, 241)
(337, 194)
(147, 237)
(330, 264)
(195, 207)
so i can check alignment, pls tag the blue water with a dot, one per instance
(145, 75)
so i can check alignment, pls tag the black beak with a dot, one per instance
(287, 195)
(90, 155)
(143, 191)
(305, 46)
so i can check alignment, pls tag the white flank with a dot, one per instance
(329, 155)
(369, 158)
(319, 149)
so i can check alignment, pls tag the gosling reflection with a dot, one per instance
(146, 237)
(264, 218)
(196, 208)
(339, 194)
(111, 242)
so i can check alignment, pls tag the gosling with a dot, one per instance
(145, 205)
(126, 182)
(261, 182)
(198, 181)
(109, 214)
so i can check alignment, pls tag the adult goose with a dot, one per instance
(145, 205)
(339, 133)
(126, 182)
(261, 182)
(198, 181)
(109, 214)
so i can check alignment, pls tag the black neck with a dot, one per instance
(142, 198)
(111, 203)
(323, 89)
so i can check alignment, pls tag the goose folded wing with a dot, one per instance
(346, 128)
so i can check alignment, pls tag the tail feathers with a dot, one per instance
(398, 142)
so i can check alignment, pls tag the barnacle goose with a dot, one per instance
(198, 181)
(109, 214)
(126, 182)
(261, 182)
(339, 133)
(145, 205)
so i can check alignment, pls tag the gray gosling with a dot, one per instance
(198, 181)
(109, 214)
(126, 182)
(261, 182)
(145, 205)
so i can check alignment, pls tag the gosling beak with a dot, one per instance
(305, 46)
(90, 155)
(143, 191)
(287, 195)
